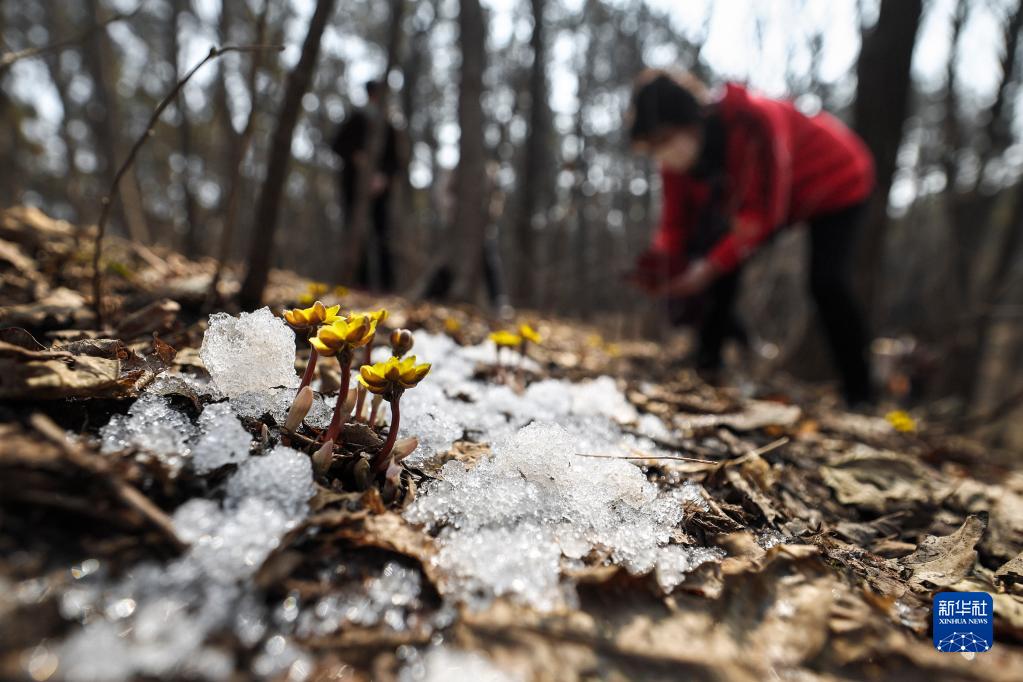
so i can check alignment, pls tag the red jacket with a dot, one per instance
(781, 167)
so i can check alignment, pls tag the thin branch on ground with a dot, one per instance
(124, 491)
(674, 458)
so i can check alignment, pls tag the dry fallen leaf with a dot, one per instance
(940, 561)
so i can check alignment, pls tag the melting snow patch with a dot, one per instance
(505, 524)
(223, 440)
(151, 425)
(159, 620)
(252, 352)
(276, 402)
(390, 597)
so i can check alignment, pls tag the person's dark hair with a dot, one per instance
(662, 101)
(373, 87)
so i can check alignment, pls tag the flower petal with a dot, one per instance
(321, 348)
(317, 313)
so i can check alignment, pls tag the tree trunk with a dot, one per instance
(998, 129)
(582, 259)
(233, 178)
(534, 165)
(55, 25)
(881, 107)
(190, 245)
(106, 127)
(268, 207)
(471, 184)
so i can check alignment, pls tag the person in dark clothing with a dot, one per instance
(734, 170)
(351, 144)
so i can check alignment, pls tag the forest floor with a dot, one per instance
(591, 512)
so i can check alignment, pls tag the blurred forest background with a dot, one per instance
(509, 115)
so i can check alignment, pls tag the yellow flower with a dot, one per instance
(392, 376)
(901, 421)
(340, 291)
(505, 339)
(529, 334)
(451, 325)
(315, 314)
(344, 333)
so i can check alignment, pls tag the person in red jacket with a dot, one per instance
(734, 170)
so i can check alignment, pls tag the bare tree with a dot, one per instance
(535, 163)
(238, 150)
(105, 123)
(882, 105)
(471, 183)
(184, 129)
(268, 208)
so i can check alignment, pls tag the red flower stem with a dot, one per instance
(380, 462)
(335, 422)
(369, 352)
(310, 370)
(372, 414)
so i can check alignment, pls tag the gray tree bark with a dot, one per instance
(471, 184)
(535, 163)
(269, 205)
(880, 111)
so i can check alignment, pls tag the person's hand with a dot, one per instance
(650, 270)
(693, 280)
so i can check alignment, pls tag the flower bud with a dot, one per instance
(401, 342)
(403, 447)
(299, 409)
(362, 474)
(323, 458)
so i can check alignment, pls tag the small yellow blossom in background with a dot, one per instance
(344, 333)
(613, 349)
(901, 421)
(595, 340)
(451, 325)
(393, 374)
(340, 291)
(529, 334)
(506, 339)
(313, 315)
(313, 291)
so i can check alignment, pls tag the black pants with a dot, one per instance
(832, 241)
(377, 244)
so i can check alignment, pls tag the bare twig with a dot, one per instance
(124, 491)
(8, 59)
(107, 201)
(674, 458)
(756, 452)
